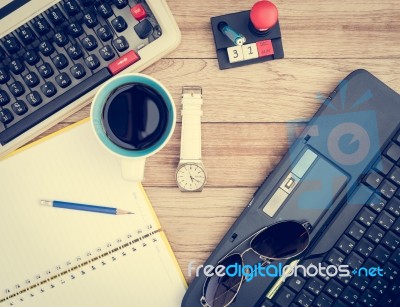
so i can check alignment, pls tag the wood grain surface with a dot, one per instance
(251, 113)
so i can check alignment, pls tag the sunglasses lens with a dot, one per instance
(220, 291)
(281, 240)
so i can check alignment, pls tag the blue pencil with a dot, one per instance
(83, 207)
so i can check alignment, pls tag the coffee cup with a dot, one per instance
(133, 116)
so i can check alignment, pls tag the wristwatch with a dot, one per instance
(191, 175)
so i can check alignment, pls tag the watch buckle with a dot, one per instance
(192, 90)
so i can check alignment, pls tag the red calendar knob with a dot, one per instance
(263, 15)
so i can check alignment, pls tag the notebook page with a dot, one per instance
(40, 242)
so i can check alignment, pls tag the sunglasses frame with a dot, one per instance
(266, 260)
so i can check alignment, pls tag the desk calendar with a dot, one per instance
(56, 257)
(257, 48)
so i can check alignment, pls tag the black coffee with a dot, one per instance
(135, 116)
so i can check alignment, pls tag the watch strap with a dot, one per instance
(191, 123)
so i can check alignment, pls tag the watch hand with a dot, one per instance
(196, 180)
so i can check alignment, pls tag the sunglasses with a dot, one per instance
(280, 241)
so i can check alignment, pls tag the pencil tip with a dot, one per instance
(121, 212)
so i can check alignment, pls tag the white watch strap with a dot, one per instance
(191, 123)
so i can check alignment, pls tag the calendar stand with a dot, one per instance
(257, 49)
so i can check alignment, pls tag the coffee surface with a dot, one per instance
(135, 116)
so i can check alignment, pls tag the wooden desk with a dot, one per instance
(248, 110)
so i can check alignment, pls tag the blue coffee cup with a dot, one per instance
(132, 159)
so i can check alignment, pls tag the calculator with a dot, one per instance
(52, 61)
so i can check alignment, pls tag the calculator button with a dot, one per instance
(394, 175)
(387, 189)
(266, 303)
(4, 77)
(379, 285)
(16, 66)
(87, 2)
(31, 57)
(284, 297)
(46, 48)
(366, 217)
(296, 283)
(78, 71)
(74, 51)
(75, 29)
(120, 4)
(393, 206)
(16, 88)
(380, 254)
(120, 43)
(48, 89)
(265, 48)
(60, 61)
(304, 299)
(345, 244)
(369, 298)
(364, 247)
(2, 54)
(41, 26)
(393, 152)
(119, 24)
(123, 62)
(373, 179)
(376, 203)
(383, 165)
(90, 19)
(71, 7)
(390, 271)
(395, 258)
(107, 52)
(19, 107)
(354, 261)
(391, 240)
(6, 116)
(4, 98)
(26, 34)
(335, 257)
(31, 79)
(104, 33)
(63, 80)
(55, 16)
(45, 70)
(92, 62)
(89, 42)
(235, 54)
(138, 12)
(385, 220)
(333, 288)
(356, 231)
(143, 29)
(105, 10)
(61, 39)
(34, 98)
(323, 301)
(350, 295)
(375, 234)
(11, 44)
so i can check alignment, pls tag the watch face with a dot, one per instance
(191, 177)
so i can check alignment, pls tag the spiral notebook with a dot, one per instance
(59, 257)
